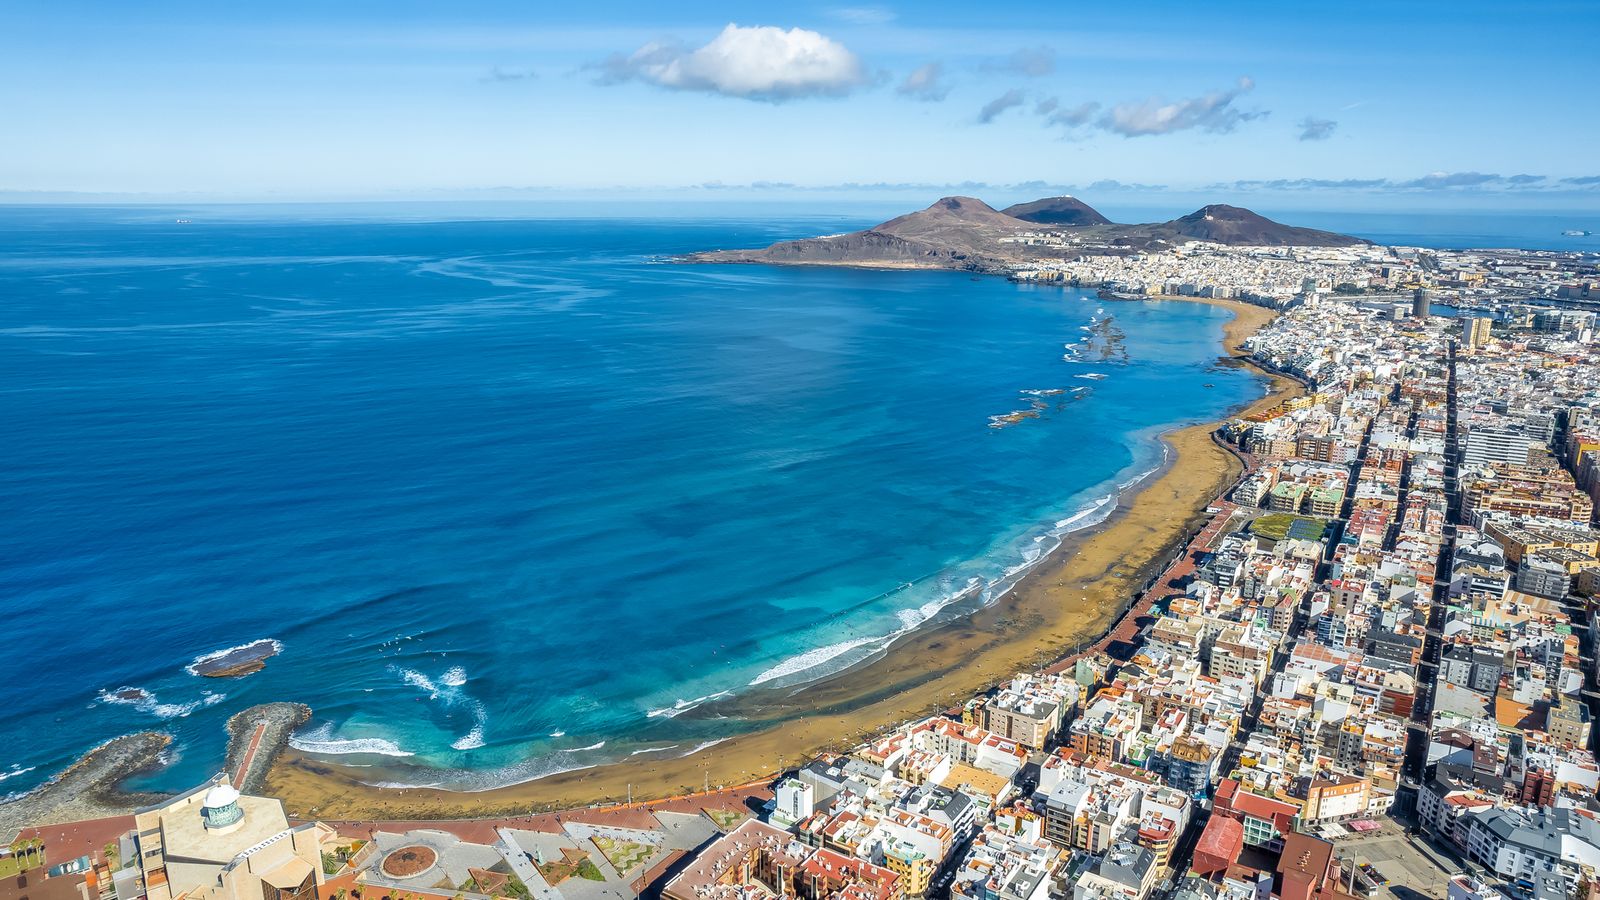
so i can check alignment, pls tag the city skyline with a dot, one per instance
(1364, 105)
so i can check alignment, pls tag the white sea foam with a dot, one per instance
(582, 749)
(1139, 478)
(654, 749)
(447, 689)
(794, 665)
(558, 734)
(1080, 518)
(194, 665)
(15, 771)
(478, 780)
(703, 745)
(146, 702)
(320, 740)
(533, 775)
(420, 681)
(909, 619)
(682, 706)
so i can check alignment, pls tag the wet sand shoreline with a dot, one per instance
(1074, 596)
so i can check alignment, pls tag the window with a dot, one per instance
(307, 890)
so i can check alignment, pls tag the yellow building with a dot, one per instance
(213, 843)
(1338, 798)
(912, 863)
(989, 789)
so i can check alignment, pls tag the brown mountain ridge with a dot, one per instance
(967, 233)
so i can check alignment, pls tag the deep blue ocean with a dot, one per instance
(513, 494)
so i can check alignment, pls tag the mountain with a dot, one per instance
(953, 233)
(966, 233)
(1069, 211)
(947, 214)
(1222, 224)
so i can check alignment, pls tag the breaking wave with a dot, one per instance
(15, 771)
(448, 690)
(321, 740)
(146, 702)
(825, 660)
(683, 706)
(703, 745)
(472, 740)
(1082, 518)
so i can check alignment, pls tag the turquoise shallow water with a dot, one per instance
(513, 495)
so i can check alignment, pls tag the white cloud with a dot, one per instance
(757, 63)
(1213, 112)
(925, 83)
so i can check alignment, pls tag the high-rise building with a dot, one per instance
(1488, 444)
(1421, 303)
(1476, 331)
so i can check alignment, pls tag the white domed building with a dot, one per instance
(214, 843)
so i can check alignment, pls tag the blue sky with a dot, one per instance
(1341, 105)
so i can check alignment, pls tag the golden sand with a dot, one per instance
(1072, 597)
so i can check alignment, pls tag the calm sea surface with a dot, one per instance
(512, 495)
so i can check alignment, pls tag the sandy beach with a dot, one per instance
(1073, 596)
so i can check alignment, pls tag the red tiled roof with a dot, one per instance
(1263, 807)
(1220, 845)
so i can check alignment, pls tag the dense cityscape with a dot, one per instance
(1371, 668)
(846, 450)
(1280, 276)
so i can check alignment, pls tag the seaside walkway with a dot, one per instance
(249, 757)
(1166, 585)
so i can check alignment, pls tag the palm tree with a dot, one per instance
(30, 848)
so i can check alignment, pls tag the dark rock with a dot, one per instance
(1068, 211)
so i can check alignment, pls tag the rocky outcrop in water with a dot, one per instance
(278, 721)
(236, 661)
(89, 788)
